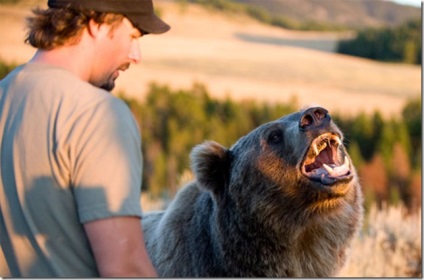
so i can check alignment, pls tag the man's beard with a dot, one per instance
(109, 85)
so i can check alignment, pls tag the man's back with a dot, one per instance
(55, 129)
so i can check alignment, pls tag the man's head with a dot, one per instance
(139, 12)
(106, 30)
(62, 22)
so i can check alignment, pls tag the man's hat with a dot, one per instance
(139, 12)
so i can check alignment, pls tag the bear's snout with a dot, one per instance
(313, 118)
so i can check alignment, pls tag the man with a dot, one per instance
(70, 152)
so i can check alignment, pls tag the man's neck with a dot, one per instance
(75, 58)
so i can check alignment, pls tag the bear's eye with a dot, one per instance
(275, 137)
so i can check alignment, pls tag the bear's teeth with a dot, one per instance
(315, 149)
(338, 170)
(322, 141)
(319, 147)
(337, 140)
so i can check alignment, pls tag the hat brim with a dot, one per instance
(148, 24)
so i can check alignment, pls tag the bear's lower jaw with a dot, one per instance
(327, 179)
(326, 198)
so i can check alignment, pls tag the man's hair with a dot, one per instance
(51, 28)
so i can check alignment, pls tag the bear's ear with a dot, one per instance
(210, 163)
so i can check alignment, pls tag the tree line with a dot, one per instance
(174, 121)
(394, 44)
(386, 153)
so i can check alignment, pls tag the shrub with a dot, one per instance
(389, 245)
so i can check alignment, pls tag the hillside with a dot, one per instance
(350, 13)
(238, 57)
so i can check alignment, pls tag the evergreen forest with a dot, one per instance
(391, 44)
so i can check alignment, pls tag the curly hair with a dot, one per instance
(51, 28)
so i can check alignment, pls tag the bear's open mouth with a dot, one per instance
(324, 162)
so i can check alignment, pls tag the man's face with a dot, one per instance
(118, 48)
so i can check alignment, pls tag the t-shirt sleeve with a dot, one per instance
(105, 153)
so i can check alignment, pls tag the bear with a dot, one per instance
(283, 201)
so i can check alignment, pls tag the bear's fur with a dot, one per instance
(266, 207)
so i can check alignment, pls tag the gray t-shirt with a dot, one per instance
(69, 153)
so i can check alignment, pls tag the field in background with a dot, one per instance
(238, 57)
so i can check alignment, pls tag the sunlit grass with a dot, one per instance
(389, 245)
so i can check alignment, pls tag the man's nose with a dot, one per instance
(135, 52)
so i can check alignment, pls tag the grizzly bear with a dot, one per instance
(283, 201)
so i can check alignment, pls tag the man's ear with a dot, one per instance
(95, 29)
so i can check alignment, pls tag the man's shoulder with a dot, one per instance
(62, 83)
(58, 88)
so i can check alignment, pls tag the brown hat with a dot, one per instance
(139, 12)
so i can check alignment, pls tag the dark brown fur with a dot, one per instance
(253, 212)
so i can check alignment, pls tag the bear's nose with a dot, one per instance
(313, 118)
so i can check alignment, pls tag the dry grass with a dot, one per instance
(388, 246)
(234, 56)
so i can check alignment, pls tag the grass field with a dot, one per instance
(238, 57)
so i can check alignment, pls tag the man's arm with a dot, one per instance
(118, 247)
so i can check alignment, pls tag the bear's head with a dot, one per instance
(290, 168)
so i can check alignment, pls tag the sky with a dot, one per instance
(416, 3)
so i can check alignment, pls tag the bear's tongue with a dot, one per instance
(331, 170)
